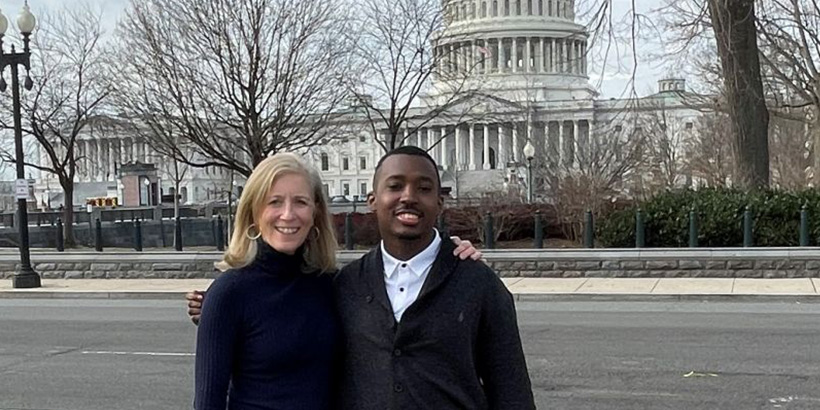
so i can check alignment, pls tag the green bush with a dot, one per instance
(775, 216)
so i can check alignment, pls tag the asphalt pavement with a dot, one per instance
(93, 354)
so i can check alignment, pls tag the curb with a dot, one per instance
(92, 295)
(520, 297)
(637, 297)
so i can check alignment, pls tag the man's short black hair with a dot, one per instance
(407, 150)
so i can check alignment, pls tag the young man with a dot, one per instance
(423, 329)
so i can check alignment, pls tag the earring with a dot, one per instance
(248, 233)
(316, 230)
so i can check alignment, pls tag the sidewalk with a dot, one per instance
(522, 288)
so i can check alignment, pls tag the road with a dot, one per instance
(137, 354)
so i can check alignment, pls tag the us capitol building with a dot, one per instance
(528, 64)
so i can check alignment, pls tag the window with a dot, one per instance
(529, 7)
(363, 189)
(326, 190)
(495, 8)
(506, 7)
(483, 9)
(362, 162)
(325, 162)
(345, 189)
(345, 163)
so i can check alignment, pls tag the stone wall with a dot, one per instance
(547, 263)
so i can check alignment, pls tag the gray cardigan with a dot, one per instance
(456, 347)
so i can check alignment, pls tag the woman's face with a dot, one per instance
(287, 217)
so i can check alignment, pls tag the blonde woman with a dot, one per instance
(268, 334)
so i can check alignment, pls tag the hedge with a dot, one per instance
(775, 215)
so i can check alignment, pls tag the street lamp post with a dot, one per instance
(529, 152)
(26, 277)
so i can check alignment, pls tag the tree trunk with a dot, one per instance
(68, 212)
(736, 35)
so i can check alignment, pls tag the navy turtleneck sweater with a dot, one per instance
(268, 337)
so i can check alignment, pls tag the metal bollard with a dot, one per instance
(538, 240)
(98, 235)
(60, 239)
(349, 231)
(640, 230)
(804, 225)
(489, 235)
(220, 234)
(747, 227)
(589, 230)
(138, 236)
(178, 235)
(693, 229)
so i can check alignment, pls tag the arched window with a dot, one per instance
(506, 7)
(517, 7)
(183, 192)
(495, 8)
(529, 7)
(483, 9)
(325, 162)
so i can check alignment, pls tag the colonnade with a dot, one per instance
(536, 55)
(484, 146)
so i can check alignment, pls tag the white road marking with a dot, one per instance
(139, 353)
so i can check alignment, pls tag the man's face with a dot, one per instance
(406, 199)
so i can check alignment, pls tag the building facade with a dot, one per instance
(526, 67)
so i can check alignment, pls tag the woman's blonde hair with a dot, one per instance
(320, 247)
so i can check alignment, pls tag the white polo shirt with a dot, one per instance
(403, 279)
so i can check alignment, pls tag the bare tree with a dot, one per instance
(70, 87)
(790, 49)
(238, 80)
(398, 56)
(710, 153)
(596, 174)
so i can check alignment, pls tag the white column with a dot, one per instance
(473, 58)
(566, 56)
(575, 140)
(443, 151)
(451, 59)
(552, 56)
(404, 139)
(501, 56)
(528, 56)
(515, 141)
(472, 147)
(458, 148)
(486, 136)
(542, 61)
(514, 54)
(501, 159)
(562, 149)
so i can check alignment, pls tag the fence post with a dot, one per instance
(60, 239)
(98, 235)
(538, 241)
(442, 224)
(747, 227)
(804, 225)
(138, 236)
(640, 231)
(220, 233)
(489, 235)
(589, 230)
(693, 228)
(348, 231)
(178, 234)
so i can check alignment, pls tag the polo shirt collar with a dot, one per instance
(418, 264)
